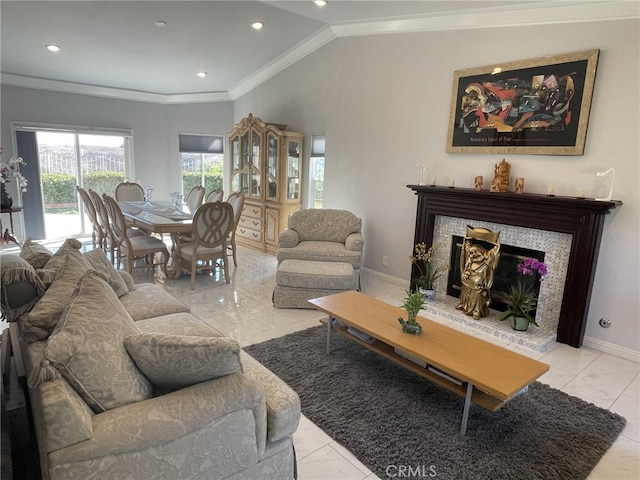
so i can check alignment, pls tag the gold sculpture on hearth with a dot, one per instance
(478, 261)
(501, 177)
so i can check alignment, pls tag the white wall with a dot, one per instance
(155, 126)
(383, 102)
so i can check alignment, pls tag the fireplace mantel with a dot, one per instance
(580, 217)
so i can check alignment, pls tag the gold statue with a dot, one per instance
(477, 266)
(501, 177)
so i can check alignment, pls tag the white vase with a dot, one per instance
(428, 294)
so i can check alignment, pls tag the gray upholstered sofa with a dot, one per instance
(319, 253)
(126, 383)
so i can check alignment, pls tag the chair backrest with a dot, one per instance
(212, 224)
(116, 218)
(195, 197)
(215, 196)
(324, 224)
(129, 192)
(89, 207)
(101, 214)
(236, 200)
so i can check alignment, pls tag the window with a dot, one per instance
(316, 171)
(202, 158)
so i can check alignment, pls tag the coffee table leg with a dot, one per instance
(330, 321)
(465, 413)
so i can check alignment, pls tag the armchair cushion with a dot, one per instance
(87, 347)
(325, 225)
(175, 361)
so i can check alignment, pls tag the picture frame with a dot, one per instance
(539, 106)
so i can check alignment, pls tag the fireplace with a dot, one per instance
(579, 219)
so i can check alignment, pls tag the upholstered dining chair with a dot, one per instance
(129, 247)
(195, 198)
(236, 200)
(216, 195)
(108, 241)
(212, 224)
(97, 234)
(129, 192)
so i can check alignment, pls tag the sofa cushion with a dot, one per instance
(176, 361)
(37, 255)
(181, 323)
(87, 347)
(100, 263)
(21, 286)
(147, 300)
(321, 252)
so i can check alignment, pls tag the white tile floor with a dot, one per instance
(243, 310)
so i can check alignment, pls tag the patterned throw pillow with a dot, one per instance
(87, 347)
(175, 361)
(100, 263)
(37, 255)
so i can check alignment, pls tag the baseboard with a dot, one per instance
(612, 348)
(387, 278)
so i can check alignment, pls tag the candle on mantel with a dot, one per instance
(551, 190)
(433, 181)
(453, 183)
(581, 193)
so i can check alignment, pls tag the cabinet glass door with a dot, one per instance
(256, 139)
(235, 164)
(272, 166)
(293, 171)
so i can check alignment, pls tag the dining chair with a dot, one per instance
(212, 224)
(216, 195)
(97, 234)
(236, 200)
(129, 247)
(195, 198)
(129, 192)
(109, 244)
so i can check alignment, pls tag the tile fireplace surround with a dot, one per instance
(581, 219)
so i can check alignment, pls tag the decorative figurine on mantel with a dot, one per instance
(501, 177)
(520, 185)
(478, 182)
(478, 261)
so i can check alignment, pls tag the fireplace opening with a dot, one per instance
(505, 275)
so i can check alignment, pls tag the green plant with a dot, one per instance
(413, 302)
(521, 299)
(429, 273)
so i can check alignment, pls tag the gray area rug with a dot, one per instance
(395, 422)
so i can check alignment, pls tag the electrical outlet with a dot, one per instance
(385, 260)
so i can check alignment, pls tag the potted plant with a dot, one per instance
(413, 302)
(521, 299)
(428, 272)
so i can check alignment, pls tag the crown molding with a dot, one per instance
(532, 14)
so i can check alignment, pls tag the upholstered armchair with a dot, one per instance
(324, 235)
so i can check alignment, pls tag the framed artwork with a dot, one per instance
(538, 106)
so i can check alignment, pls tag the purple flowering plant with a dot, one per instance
(519, 298)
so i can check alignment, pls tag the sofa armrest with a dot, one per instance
(283, 404)
(288, 238)
(158, 420)
(354, 242)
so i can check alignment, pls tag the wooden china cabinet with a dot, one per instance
(266, 166)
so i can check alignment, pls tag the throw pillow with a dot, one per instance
(87, 347)
(41, 320)
(21, 286)
(34, 253)
(100, 263)
(175, 361)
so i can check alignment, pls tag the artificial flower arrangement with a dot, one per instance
(11, 169)
(429, 272)
(521, 299)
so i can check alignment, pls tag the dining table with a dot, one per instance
(160, 217)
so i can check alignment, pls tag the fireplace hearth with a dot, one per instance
(581, 218)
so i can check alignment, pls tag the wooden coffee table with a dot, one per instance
(478, 371)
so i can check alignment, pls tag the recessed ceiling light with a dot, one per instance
(53, 48)
(257, 25)
(201, 74)
(320, 3)
(161, 23)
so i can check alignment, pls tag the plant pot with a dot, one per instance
(413, 328)
(520, 324)
(5, 199)
(428, 294)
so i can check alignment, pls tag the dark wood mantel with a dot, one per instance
(582, 218)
